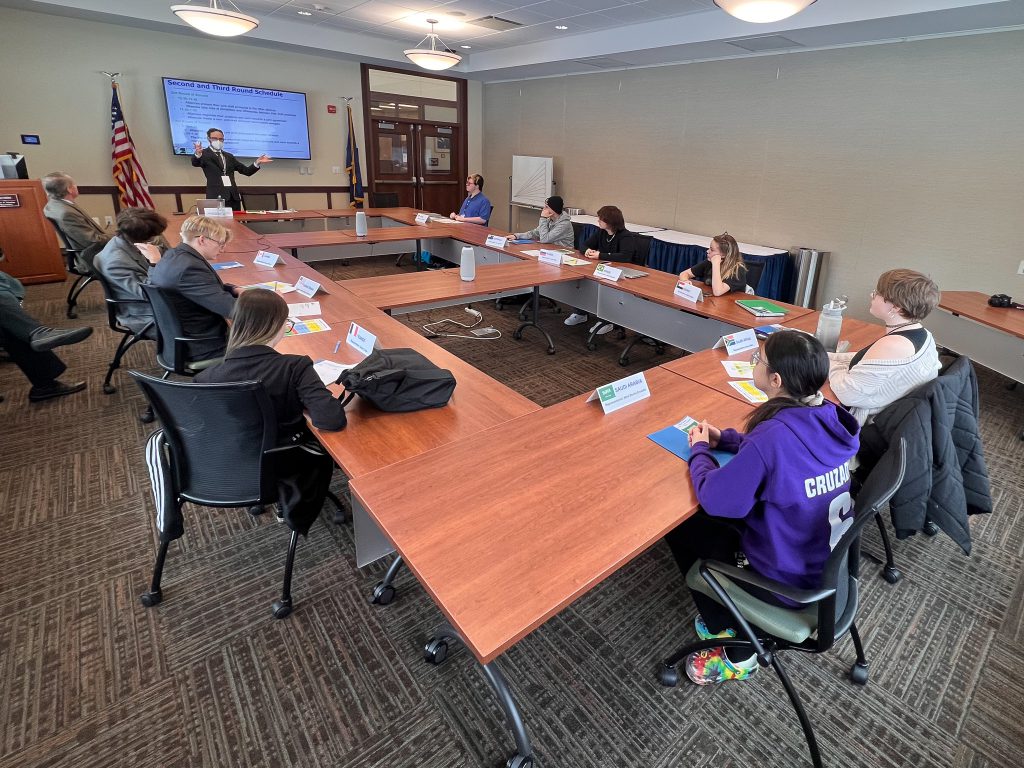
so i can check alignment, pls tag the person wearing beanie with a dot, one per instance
(554, 227)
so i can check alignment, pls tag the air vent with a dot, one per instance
(765, 43)
(602, 62)
(495, 23)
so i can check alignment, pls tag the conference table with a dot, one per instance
(994, 336)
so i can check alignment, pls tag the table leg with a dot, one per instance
(518, 333)
(436, 651)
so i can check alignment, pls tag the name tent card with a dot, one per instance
(422, 218)
(218, 213)
(306, 287)
(266, 259)
(607, 272)
(496, 241)
(735, 343)
(621, 393)
(360, 339)
(550, 257)
(689, 292)
(304, 309)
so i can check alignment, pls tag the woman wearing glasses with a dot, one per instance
(724, 269)
(781, 504)
(904, 358)
(259, 322)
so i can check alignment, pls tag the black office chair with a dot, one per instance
(217, 440)
(383, 199)
(754, 271)
(828, 613)
(129, 338)
(172, 344)
(78, 263)
(260, 201)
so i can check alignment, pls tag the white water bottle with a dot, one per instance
(830, 324)
(360, 224)
(467, 266)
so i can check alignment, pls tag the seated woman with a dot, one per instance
(125, 261)
(258, 323)
(554, 227)
(611, 242)
(724, 269)
(783, 502)
(883, 372)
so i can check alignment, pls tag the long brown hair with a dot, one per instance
(257, 317)
(732, 259)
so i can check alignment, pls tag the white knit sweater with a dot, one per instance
(871, 385)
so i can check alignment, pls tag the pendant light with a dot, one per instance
(214, 20)
(763, 11)
(433, 57)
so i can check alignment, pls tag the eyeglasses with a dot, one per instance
(874, 293)
(289, 326)
(756, 358)
(218, 242)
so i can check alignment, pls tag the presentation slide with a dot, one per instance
(255, 121)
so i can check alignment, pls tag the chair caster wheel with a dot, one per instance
(931, 528)
(859, 674)
(623, 361)
(281, 608)
(517, 335)
(149, 599)
(72, 315)
(435, 651)
(659, 349)
(147, 416)
(892, 575)
(109, 389)
(551, 350)
(591, 346)
(383, 594)
(668, 676)
(620, 335)
(519, 761)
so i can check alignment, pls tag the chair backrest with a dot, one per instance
(218, 436)
(168, 328)
(70, 254)
(643, 249)
(383, 199)
(260, 201)
(754, 270)
(487, 218)
(843, 566)
(111, 301)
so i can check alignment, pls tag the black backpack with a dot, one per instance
(398, 380)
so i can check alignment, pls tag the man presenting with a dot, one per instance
(220, 168)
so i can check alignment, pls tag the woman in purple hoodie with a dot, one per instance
(781, 504)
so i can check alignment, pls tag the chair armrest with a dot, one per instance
(747, 576)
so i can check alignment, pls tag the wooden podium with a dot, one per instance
(28, 240)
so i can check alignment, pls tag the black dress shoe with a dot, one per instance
(43, 338)
(57, 389)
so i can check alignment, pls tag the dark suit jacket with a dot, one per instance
(289, 381)
(214, 169)
(205, 301)
(125, 269)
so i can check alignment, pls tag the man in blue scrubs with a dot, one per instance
(477, 208)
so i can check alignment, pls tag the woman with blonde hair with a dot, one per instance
(724, 269)
(259, 322)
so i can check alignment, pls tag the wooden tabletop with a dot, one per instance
(507, 527)
(974, 305)
(405, 215)
(349, 237)
(374, 439)
(706, 366)
(285, 216)
(413, 288)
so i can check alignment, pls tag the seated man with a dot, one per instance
(554, 227)
(204, 302)
(125, 263)
(29, 342)
(77, 226)
(476, 208)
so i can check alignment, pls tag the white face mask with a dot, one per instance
(217, 144)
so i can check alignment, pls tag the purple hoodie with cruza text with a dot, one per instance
(789, 484)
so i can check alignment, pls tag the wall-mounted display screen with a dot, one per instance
(254, 120)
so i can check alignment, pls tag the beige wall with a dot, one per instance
(52, 86)
(892, 155)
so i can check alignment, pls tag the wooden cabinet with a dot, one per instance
(28, 240)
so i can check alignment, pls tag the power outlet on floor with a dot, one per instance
(1020, 268)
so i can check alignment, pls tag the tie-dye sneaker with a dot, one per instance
(705, 634)
(713, 666)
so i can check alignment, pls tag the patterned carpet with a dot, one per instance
(90, 679)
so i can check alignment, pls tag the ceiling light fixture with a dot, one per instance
(304, 13)
(214, 20)
(561, 26)
(763, 11)
(433, 58)
(467, 47)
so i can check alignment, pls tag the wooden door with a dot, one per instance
(441, 180)
(28, 240)
(393, 163)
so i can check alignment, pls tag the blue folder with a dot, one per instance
(677, 442)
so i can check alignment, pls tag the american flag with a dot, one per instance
(128, 174)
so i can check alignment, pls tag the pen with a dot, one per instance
(337, 347)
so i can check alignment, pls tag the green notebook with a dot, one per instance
(761, 307)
